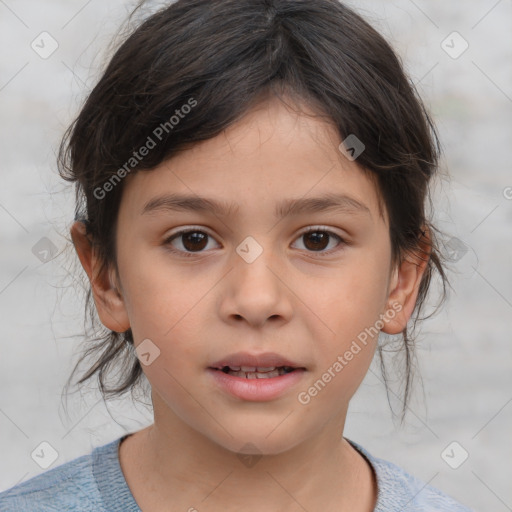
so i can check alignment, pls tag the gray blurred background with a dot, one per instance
(457, 430)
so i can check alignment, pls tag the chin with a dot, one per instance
(257, 443)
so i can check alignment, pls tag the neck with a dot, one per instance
(170, 462)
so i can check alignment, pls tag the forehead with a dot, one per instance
(270, 157)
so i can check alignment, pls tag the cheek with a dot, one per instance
(354, 293)
(156, 295)
(346, 308)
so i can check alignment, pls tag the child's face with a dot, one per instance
(290, 299)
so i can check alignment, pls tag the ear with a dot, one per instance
(109, 302)
(405, 284)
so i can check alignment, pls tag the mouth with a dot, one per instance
(256, 383)
(257, 372)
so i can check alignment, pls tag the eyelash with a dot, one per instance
(313, 229)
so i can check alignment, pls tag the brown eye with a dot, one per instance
(194, 240)
(191, 241)
(317, 240)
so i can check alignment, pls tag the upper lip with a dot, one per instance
(264, 360)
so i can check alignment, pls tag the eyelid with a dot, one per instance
(185, 229)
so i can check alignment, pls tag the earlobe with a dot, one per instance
(405, 285)
(109, 302)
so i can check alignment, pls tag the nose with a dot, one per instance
(256, 291)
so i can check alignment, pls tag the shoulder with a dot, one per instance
(65, 487)
(72, 486)
(398, 490)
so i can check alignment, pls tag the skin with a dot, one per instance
(290, 300)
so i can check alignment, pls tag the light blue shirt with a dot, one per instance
(95, 483)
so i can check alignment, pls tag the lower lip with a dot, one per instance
(256, 390)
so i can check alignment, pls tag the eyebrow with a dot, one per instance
(328, 202)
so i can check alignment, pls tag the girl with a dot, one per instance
(251, 180)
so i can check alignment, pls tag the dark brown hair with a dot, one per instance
(227, 55)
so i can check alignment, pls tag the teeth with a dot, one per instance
(267, 375)
(253, 372)
(257, 375)
(254, 368)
